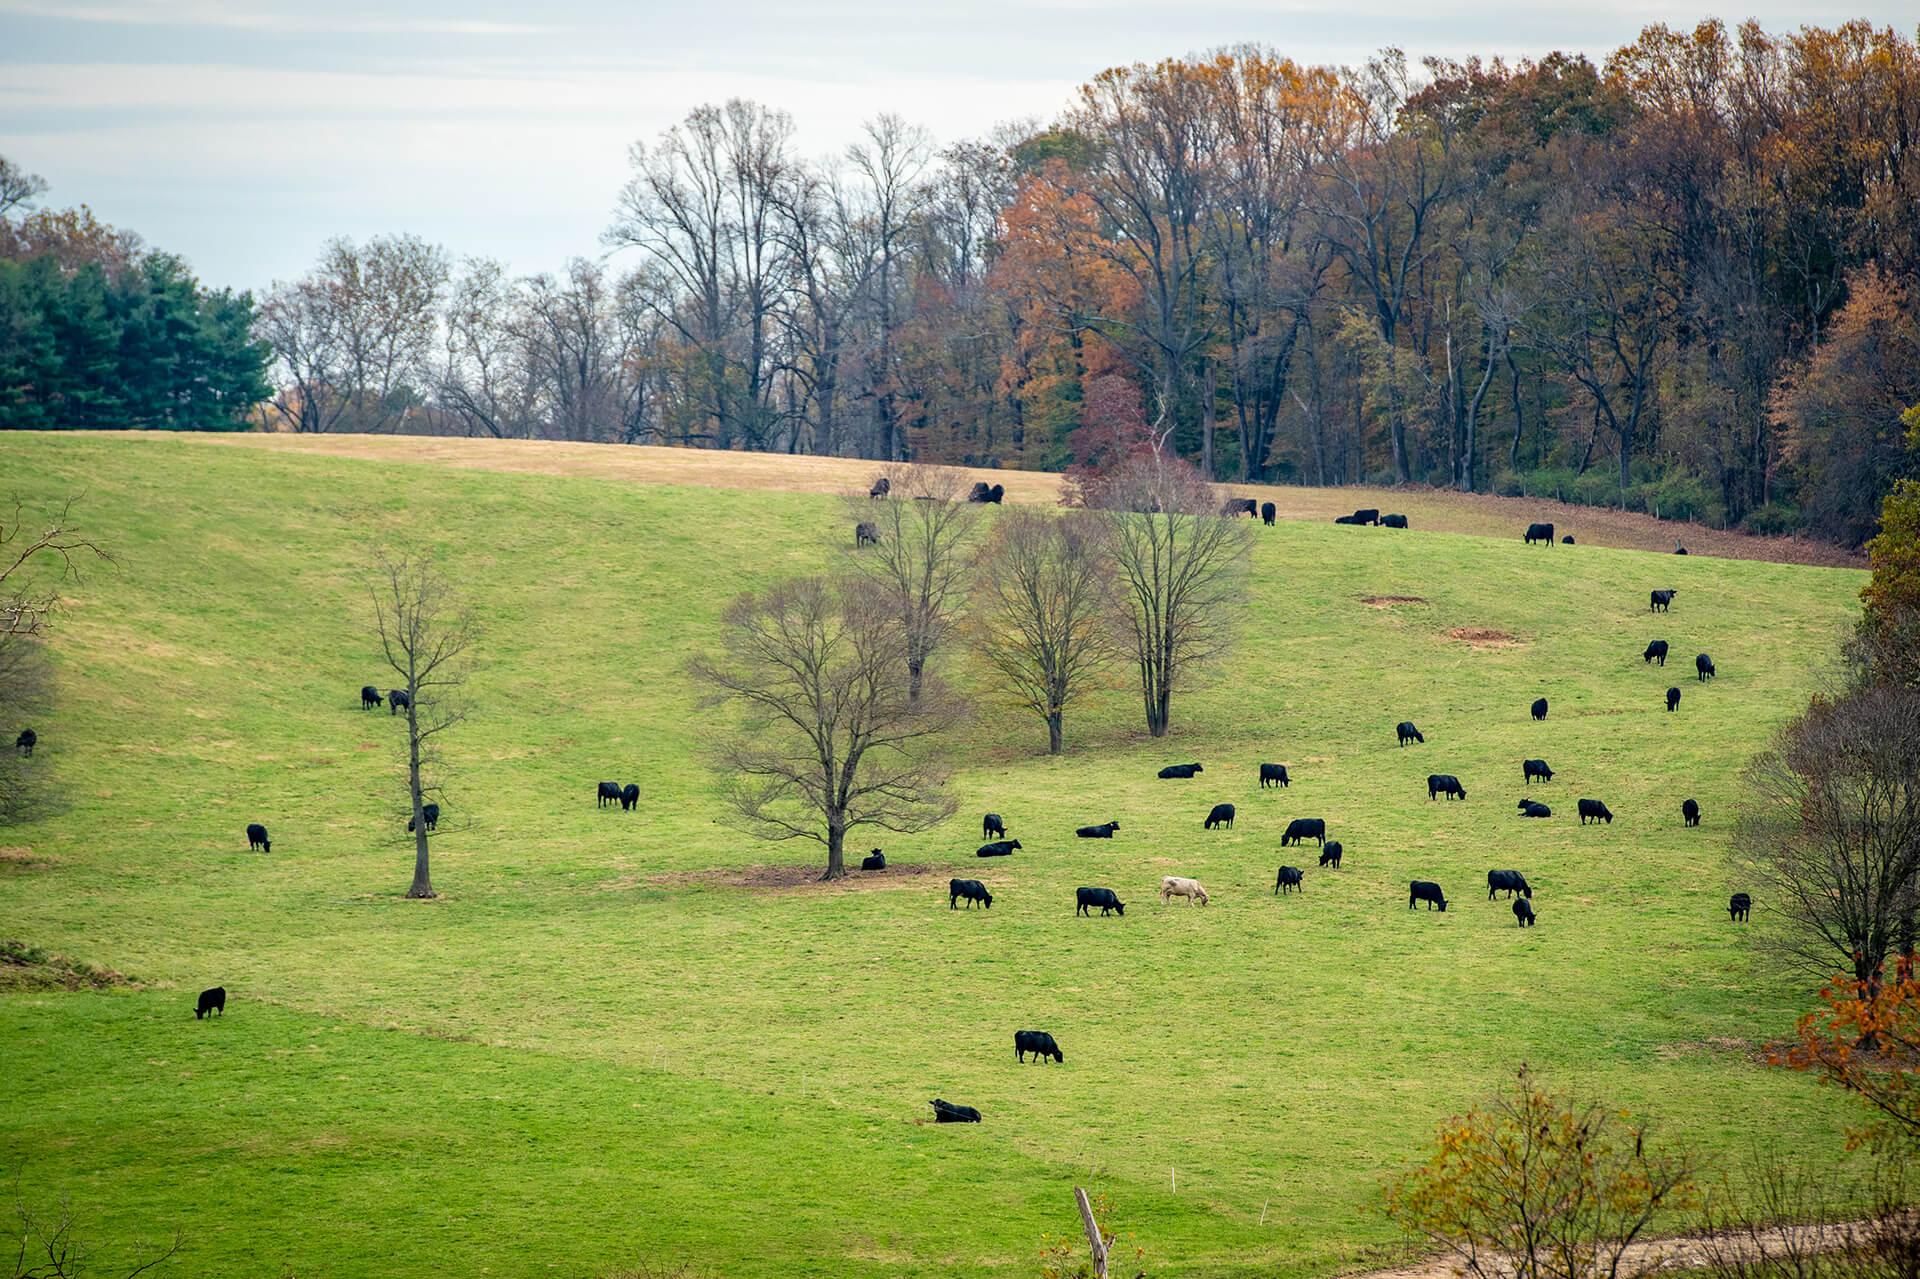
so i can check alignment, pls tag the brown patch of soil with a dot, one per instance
(1483, 637)
(24, 967)
(790, 878)
(20, 857)
(1388, 601)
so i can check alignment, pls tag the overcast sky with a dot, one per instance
(243, 133)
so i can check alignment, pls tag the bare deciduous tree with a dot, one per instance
(1180, 565)
(829, 738)
(426, 637)
(920, 564)
(49, 1248)
(1043, 610)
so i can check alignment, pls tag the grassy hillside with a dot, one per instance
(613, 1038)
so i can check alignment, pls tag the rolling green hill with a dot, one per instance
(619, 1038)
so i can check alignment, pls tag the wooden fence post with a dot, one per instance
(1094, 1240)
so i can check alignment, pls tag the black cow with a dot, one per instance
(1267, 513)
(1567, 540)
(979, 492)
(1181, 770)
(1656, 652)
(1425, 890)
(1393, 521)
(1346, 519)
(971, 890)
(1679, 549)
(1508, 882)
(1532, 768)
(875, 860)
(865, 534)
(1408, 733)
(1539, 708)
(1222, 815)
(429, 811)
(1703, 668)
(1301, 829)
(1288, 880)
(369, 697)
(1330, 853)
(1445, 784)
(1595, 810)
(1104, 898)
(996, 493)
(25, 743)
(881, 487)
(945, 1112)
(1037, 1042)
(1539, 533)
(1690, 811)
(211, 1001)
(1103, 831)
(1660, 601)
(606, 793)
(397, 701)
(1523, 912)
(629, 797)
(1528, 808)
(1738, 906)
(1239, 506)
(1367, 515)
(257, 838)
(998, 848)
(992, 825)
(1673, 699)
(1275, 773)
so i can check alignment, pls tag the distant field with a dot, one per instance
(618, 1037)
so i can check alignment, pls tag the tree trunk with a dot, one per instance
(1206, 425)
(916, 666)
(836, 850)
(1055, 732)
(422, 886)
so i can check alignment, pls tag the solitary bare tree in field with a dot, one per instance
(1043, 610)
(426, 636)
(920, 563)
(830, 737)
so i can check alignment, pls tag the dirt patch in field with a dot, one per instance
(1713, 1044)
(1389, 601)
(794, 878)
(24, 967)
(20, 857)
(1484, 637)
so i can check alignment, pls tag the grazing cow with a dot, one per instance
(1222, 815)
(1528, 808)
(1508, 882)
(1239, 506)
(1660, 601)
(865, 534)
(25, 743)
(1275, 773)
(369, 697)
(1172, 886)
(1037, 1042)
(881, 487)
(1367, 515)
(998, 848)
(1523, 912)
(629, 797)
(1567, 540)
(1345, 519)
(992, 825)
(1656, 652)
(1181, 770)
(1445, 784)
(1738, 906)
(972, 890)
(1393, 521)
(1532, 768)
(1288, 880)
(1105, 898)
(1301, 829)
(397, 701)
(606, 793)
(211, 1001)
(1267, 513)
(945, 1112)
(1330, 853)
(432, 814)
(875, 860)
(1539, 533)
(1539, 708)
(979, 491)
(1690, 811)
(1103, 831)
(1593, 809)
(1673, 699)
(1425, 890)
(257, 838)
(1408, 733)
(1703, 668)
(1679, 549)
(996, 493)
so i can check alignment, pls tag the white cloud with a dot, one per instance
(210, 13)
